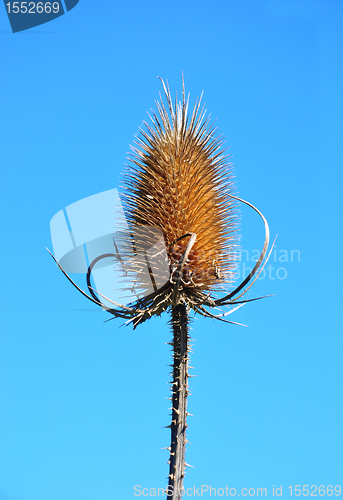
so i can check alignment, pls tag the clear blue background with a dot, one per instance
(82, 402)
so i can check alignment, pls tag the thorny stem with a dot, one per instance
(179, 402)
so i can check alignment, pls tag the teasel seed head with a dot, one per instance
(179, 180)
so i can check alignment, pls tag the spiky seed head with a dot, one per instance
(179, 181)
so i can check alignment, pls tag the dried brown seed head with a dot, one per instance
(179, 181)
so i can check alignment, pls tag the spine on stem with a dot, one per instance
(179, 401)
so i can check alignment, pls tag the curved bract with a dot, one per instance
(171, 293)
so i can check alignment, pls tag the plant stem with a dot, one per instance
(179, 402)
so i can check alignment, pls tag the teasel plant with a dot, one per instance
(180, 182)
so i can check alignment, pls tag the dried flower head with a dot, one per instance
(180, 181)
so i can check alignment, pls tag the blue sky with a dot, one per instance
(83, 402)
